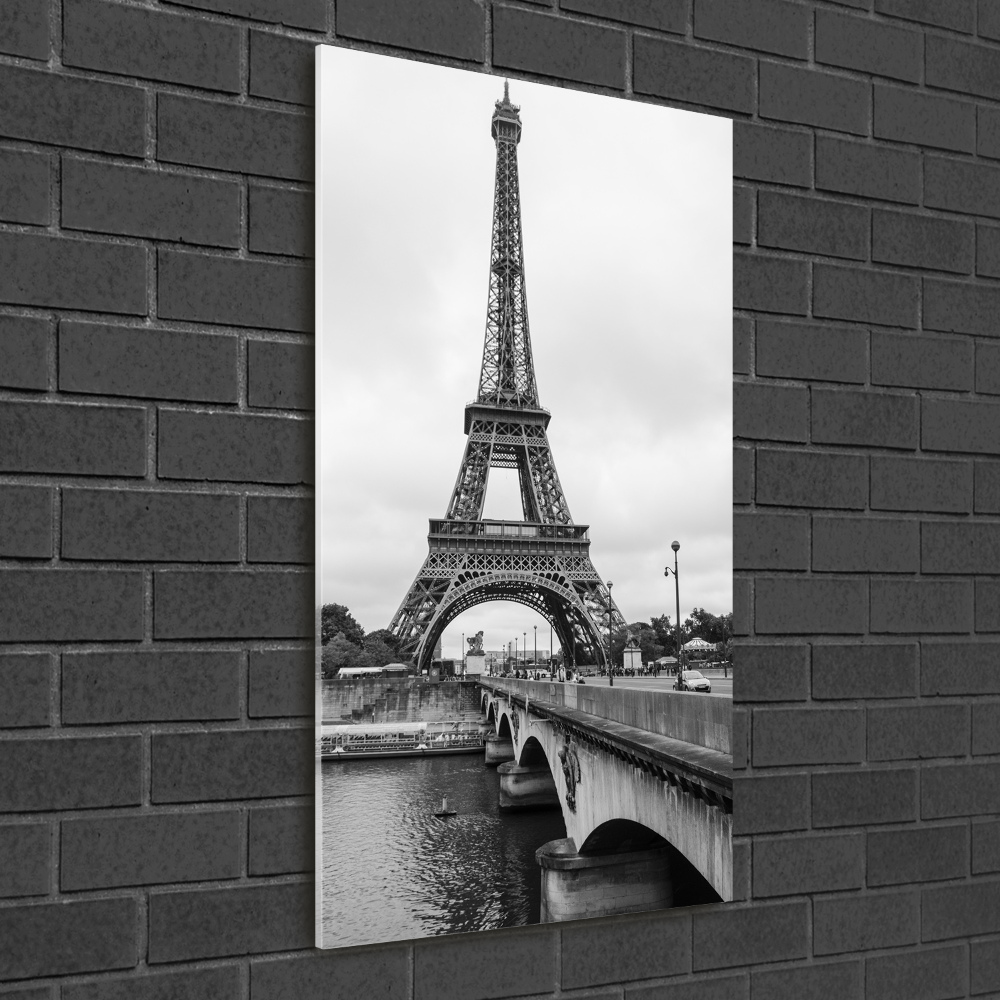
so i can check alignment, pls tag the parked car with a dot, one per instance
(693, 680)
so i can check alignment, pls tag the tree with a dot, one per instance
(666, 636)
(379, 653)
(340, 652)
(383, 635)
(336, 619)
(711, 628)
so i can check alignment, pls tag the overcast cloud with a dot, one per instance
(627, 219)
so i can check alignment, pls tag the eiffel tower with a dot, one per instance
(542, 561)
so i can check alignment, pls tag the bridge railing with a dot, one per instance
(700, 720)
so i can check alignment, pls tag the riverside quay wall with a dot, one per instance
(408, 699)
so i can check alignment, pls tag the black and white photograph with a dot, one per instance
(524, 502)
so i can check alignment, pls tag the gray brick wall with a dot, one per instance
(156, 162)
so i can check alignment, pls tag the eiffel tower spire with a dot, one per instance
(542, 561)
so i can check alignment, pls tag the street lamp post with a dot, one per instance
(677, 596)
(516, 658)
(524, 646)
(535, 664)
(463, 654)
(611, 668)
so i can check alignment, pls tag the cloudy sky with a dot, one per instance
(627, 220)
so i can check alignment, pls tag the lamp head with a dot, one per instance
(675, 545)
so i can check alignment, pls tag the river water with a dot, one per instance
(392, 870)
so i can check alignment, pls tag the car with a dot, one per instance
(693, 680)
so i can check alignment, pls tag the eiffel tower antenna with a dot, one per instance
(542, 561)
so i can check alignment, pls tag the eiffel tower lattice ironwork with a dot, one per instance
(544, 560)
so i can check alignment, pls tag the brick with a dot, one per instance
(245, 920)
(806, 479)
(861, 923)
(775, 155)
(810, 605)
(239, 447)
(987, 606)
(865, 545)
(24, 860)
(280, 529)
(867, 171)
(950, 547)
(808, 97)
(133, 201)
(960, 910)
(770, 803)
(952, 64)
(130, 41)
(770, 541)
(905, 115)
(68, 111)
(770, 284)
(763, 25)
(864, 418)
(728, 937)
(986, 728)
(222, 982)
(959, 307)
(56, 272)
(339, 973)
(988, 251)
(24, 187)
(743, 207)
(653, 946)
(26, 522)
(884, 297)
(294, 13)
(928, 854)
(962, 186)
(772, 673)
(902, 732)
(987, 491)
(855, 798)
(663, 15)
(281, 683)
(742, 340)
(200, 767)
(795, 736)
(817, 982)
(239, 138)
(24, 30)
(207, 605)
(955, 425)
(448, 28)
(921, 362)
(784, 866)
(864, 671)
(928, 974)
(921, 605)
(985, 976)
(24, 351)
(521, 961)
(281, 221)
(812, 225)
(149, 686)
(740, 738)
(817, 353)
(281, 375)
(25, 679)
(571, 50)
(959, 790)
(868, 46)
(53, 939)
(714, 988)
(924, 484)
(282, 69)
(149, 850)
(960, 667)
(922, 241)
(235, 292)
(743, 475)
(152, 363)
(38, 775)
(680, 72)
(150, 526)
(771, 412)
(988, 368)
(281, 840)
(41, 605)
(959, 15)
(985, 846)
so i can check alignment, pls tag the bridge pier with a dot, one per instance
(498, 750)
(526, 786)
(599, 885)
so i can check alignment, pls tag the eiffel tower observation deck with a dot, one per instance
(542, 561)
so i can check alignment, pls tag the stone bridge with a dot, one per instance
(644, 782)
